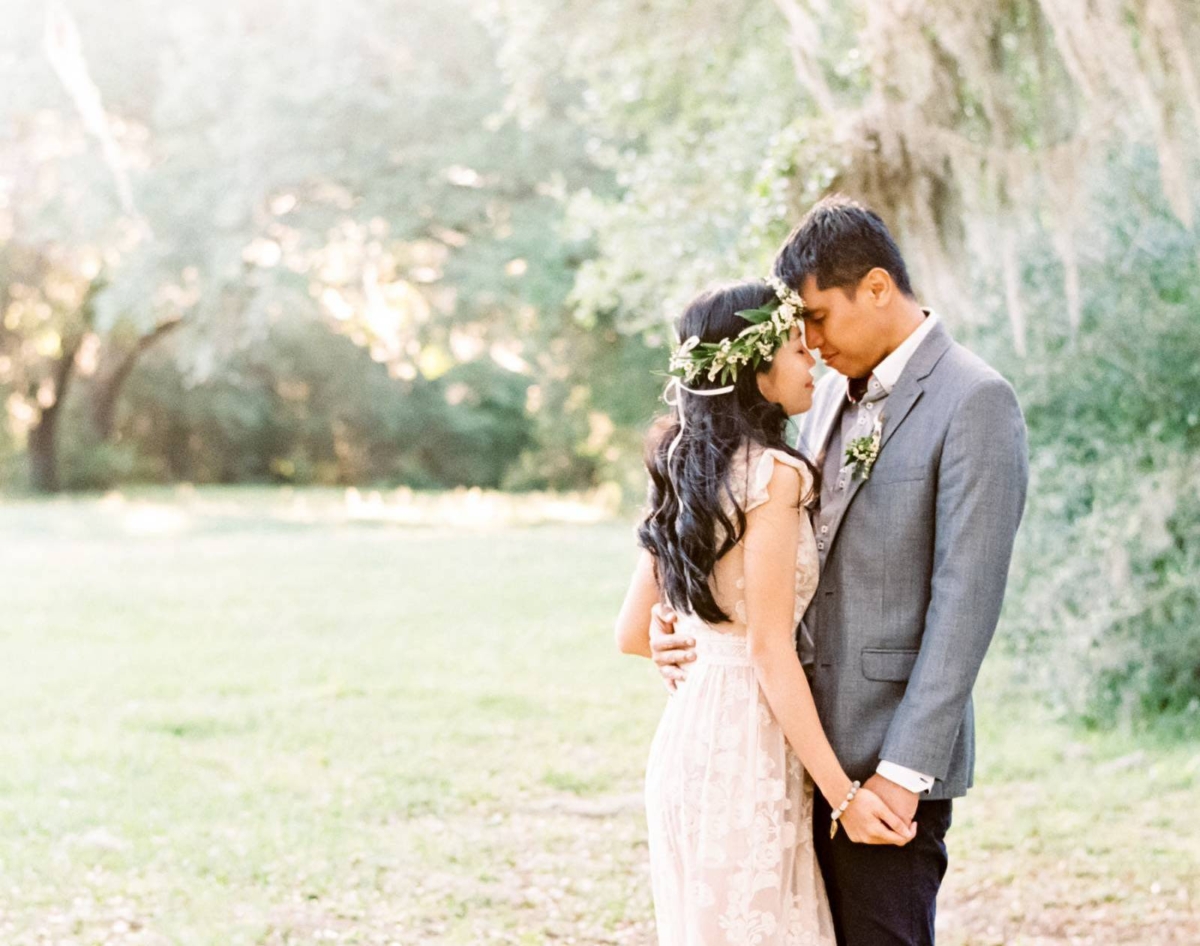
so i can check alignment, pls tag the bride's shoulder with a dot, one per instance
(757, 456)
(767, 471)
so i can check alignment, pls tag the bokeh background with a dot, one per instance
(328, 339)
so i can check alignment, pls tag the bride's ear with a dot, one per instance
(765, 386)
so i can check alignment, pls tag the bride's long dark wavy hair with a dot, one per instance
(686, 528)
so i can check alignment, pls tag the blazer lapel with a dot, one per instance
(904, 396)
(909, 386)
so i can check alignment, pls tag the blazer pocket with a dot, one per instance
(899, 474)
(893, 666)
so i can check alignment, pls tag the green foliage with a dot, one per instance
(597, 390)
(977, 147)
(287, 163)
(1105, 596)
(1146, 661)
(478, 427)
(306, 406)
(92, 464)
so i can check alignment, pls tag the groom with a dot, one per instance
(922, 452)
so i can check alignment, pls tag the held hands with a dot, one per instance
(671, 653)
(896, 797)
(881, 812)
(869, 820)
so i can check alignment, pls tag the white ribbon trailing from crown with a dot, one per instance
(676, 387)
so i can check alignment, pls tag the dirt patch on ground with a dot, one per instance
(570, 870)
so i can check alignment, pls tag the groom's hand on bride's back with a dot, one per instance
(671, 652)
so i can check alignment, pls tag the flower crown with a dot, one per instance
(770, 327)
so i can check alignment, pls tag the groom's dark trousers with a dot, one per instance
(883, 895)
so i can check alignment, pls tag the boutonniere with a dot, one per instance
(864, 451)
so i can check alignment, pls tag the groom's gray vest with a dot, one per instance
(915, 563)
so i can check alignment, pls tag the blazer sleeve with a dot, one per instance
(982, 479)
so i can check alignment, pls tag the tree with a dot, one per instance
(970, 127)
(1037, 160)
(255, 164)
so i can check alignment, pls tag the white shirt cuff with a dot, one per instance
(906, 778)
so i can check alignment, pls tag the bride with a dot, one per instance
(726, 541)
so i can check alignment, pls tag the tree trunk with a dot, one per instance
(43, 436)
(107, 391)
(43, 454)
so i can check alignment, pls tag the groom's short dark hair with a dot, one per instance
(839, 241)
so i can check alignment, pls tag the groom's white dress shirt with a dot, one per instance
(858, 420)
(888, 371)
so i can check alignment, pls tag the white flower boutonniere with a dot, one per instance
(864, 451)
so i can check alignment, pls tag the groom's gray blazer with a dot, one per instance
(913, 573)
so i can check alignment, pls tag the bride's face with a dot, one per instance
(788, 381)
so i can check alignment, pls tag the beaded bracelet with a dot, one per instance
(840, 809)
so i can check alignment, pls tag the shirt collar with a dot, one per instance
(888, 371)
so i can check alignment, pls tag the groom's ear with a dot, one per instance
(879, 287)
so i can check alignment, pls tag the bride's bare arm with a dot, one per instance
(633, 623)
(771, 538)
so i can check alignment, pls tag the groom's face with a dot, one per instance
(841, 324)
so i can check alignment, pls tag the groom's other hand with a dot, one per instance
(671, 651)
(896, 797)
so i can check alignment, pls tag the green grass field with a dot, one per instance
(251, 717)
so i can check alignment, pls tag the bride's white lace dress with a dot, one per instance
(728, 804)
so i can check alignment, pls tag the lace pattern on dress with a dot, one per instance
(728, 804)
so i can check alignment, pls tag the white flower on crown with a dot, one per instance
(770, 328)
(680, 358)
(786, 293)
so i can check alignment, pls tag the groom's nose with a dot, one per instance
(812, 337)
